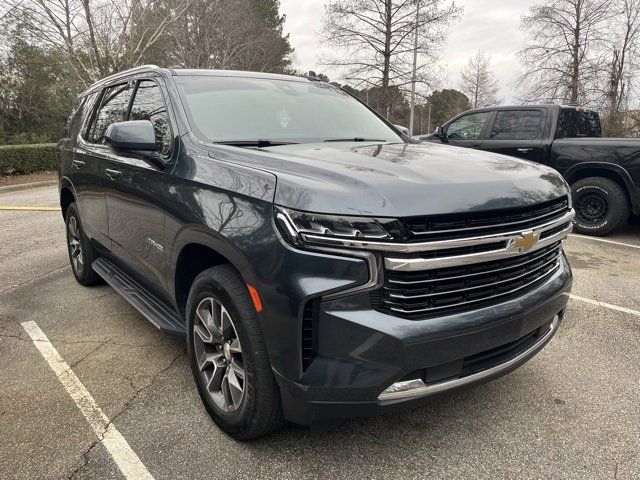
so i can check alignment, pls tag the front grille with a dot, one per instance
(422, 293)
(461, 225)
(465, 261)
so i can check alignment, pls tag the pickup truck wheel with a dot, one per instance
(601, 205)
(228, 356)
(81, 252)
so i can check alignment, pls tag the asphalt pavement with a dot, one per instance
(571, 412)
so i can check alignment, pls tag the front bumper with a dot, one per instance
(362, 352)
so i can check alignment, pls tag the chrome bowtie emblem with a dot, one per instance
(526, 241)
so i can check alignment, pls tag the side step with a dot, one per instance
(155, 310)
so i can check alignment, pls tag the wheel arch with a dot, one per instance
(606, 170)
(197, 249)
(67, 195)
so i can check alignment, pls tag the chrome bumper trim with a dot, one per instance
(398, 392)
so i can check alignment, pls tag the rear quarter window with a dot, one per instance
(74, 120)
(573, 123)
(87, 112)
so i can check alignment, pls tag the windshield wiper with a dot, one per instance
(255, 143)
(356, 139)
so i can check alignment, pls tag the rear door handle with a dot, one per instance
(112, 173)
(525, 150)
(77, 164)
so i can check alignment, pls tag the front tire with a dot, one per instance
(81, 252)
(228, 356)
(601, 205)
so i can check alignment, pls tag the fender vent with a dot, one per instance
(309, 340)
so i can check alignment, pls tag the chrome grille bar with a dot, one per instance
(475, 287)
(469, 302)
(506, 251)
(434, 245)
(468, 275)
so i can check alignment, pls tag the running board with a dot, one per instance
(157, 311)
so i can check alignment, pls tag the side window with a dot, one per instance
(468, 127)
(517, 125)
(75, 116)
(148, 104)
(87, 114)
(113, 108)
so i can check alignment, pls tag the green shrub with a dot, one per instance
(15, 159)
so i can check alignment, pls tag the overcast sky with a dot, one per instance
(491, 25)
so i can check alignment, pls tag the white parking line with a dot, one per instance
(596, 239)
(128, 462)
(605, 305)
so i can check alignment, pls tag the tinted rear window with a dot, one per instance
(573, 123)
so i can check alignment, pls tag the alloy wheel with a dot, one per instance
(219, 354)
(75, 246)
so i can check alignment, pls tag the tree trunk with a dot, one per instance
(387, 56)
(575, 67)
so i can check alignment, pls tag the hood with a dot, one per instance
(399, 180)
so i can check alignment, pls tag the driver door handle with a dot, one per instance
(525, 150)
(112, 173)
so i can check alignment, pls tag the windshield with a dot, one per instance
(578, 123)
(228, 109)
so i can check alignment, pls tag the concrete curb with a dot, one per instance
(27, 186)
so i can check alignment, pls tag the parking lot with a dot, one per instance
(571, 412)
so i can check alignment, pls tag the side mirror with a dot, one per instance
(131, 136)
(403, 129)
(135, 137)
(441, 134)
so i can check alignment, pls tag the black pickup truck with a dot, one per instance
(604, 173)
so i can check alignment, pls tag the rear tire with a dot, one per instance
(228, 356)
(81, 251)
(601, 205)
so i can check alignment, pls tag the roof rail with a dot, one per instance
(123, 73)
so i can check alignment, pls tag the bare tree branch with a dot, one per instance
(478, 82)
(374, 41)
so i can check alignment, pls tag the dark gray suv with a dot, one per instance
(320, 264)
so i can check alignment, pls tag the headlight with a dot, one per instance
(314, 228)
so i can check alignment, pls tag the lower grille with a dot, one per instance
(494, 357)
(421, 293)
